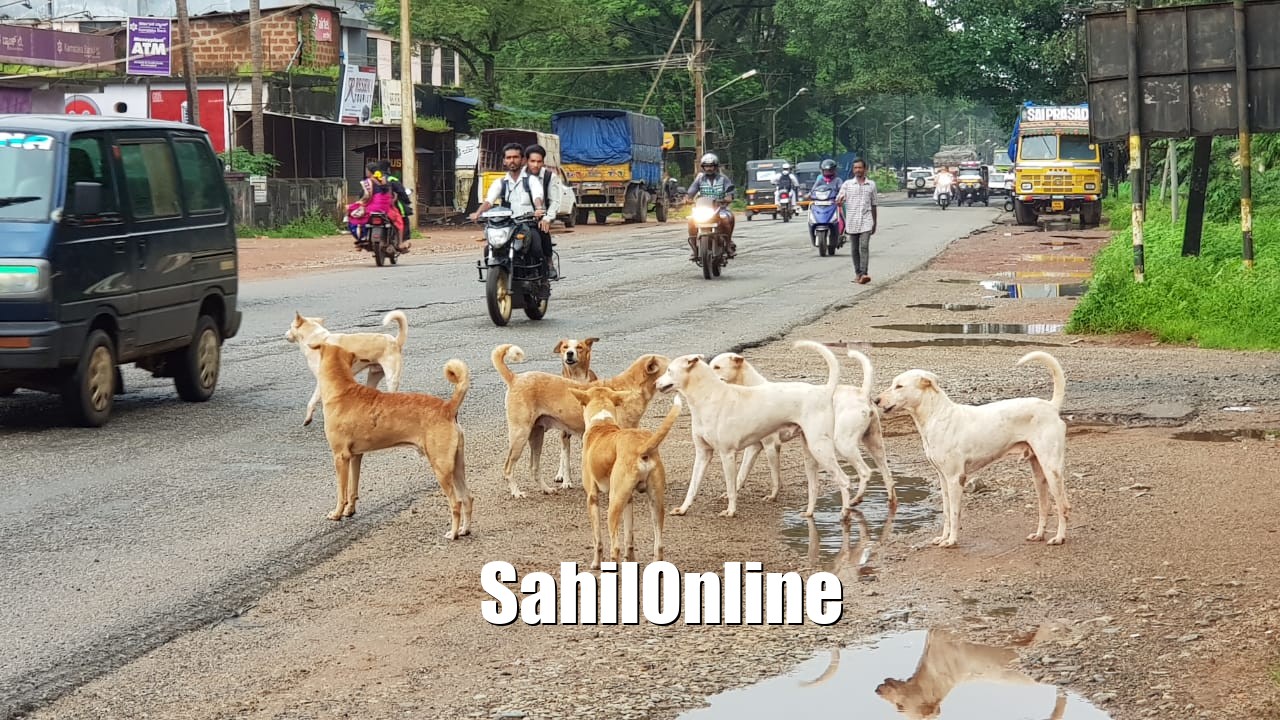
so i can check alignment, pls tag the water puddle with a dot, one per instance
(916, 674)
(1059, 243)
(1035, 290)
(962, 342)
(1057, 258)
(1228, 435)
(955, 307)
(1043, 274)
(826, 539)
(978, 328)
(955, 281)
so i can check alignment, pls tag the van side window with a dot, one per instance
(150, 179)
(202, 181)
(86, 162)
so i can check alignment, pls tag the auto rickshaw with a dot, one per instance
(973, 184)
(760, 190)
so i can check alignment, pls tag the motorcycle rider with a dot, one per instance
(515, 191)
(786, 180)
(403, 204)
(534, 157)
(942, 182)
(827, 179)
(714, 184)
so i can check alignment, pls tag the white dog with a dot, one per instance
(382, 354)
(857, 422)
(730, 418)
(960, 440)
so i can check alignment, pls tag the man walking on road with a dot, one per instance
(858, 200)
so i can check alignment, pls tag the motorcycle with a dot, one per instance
(382, 238)
(944, 199)
(712, 245)
(784, 205)
(513, 276)
(823, 221)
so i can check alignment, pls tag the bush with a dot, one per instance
(885, 179)
(312, 225)
(245, 161)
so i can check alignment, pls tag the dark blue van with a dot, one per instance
(117, 245)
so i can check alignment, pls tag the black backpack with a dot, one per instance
(506, 190)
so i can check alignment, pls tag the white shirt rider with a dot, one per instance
(943, 182)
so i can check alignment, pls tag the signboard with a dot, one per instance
(171, 105)
(53, 48)
(148, 46)
(259, 185)
(324, 25)
(1186, 71)
(112, 101)
(355, 104)
(1048, 119)
(390, 101)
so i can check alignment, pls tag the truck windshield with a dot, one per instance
(1077, 147)
(27, 163)
(1040, 147)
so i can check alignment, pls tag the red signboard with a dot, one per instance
(172, 105)
(324, 25)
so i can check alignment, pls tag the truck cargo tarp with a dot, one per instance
(611, 137)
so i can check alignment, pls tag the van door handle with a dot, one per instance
(142, 252)
(120, 245)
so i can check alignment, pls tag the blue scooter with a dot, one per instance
(824, 222)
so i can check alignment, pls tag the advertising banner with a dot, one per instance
(149, 43)
(355, 104)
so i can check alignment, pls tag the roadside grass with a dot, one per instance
(312, 225)
(1211, 301)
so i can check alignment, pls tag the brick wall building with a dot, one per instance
(222, 41)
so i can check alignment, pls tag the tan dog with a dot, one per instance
(623, 461)
(960, 440)
(575, 359)
(857, 423)
(538, 401)
(359, 419)
(380, 353)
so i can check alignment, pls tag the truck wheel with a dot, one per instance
(570, 220)
(1022, 214)
(1091, 214)
(580, 216)
(196, 367)
(660, 211)
(88, 393)
(601, 217)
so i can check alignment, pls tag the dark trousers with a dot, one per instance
(860, 249)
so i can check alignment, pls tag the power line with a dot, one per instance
(684, 21)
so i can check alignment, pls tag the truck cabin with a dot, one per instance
(1057, 147)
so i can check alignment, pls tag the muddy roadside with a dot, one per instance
(1161, 604)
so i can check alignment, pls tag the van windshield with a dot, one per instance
(27, 164)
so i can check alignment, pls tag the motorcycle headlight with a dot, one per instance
(22, 278)
(497, 236)
(703, 214)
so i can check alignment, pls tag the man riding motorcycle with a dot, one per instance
(827, 179)
(943, 182)
(714, 184)
(786, 180)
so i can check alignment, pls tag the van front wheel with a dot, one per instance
(88, 393)
(196, 367)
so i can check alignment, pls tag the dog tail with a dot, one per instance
(661, 433)
(1059, 378)
(867, 372)
(456, 372)
(400, 319)
(504, 354)
(833, 364)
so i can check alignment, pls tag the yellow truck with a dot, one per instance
(1057, 167)
(489, 164)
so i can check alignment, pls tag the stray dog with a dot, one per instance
(857, 422)
(948, 662)
(623, 461)
(359, 419)
(382, 354)
(575, 356)
(960, 440)
(538, 401)
(730, 418)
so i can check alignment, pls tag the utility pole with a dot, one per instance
(408, 143)
(700, 111)
(188, 64)
(255, 88)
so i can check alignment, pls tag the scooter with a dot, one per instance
(944, 199)
(512, 276)
(823, 221)
(712, 245)
(784, 205)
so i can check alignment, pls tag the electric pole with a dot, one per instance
(408, 143)
(255, 87)
(188, 64)
(700, 108)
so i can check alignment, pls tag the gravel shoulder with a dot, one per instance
(1162, 601)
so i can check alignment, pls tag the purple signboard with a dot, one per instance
(53, 48)
(148, 46)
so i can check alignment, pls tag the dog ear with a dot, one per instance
(693, 360)
(738, 360)
(590, 341)
(655, 365)
(297, 318)
(926, 383)
(316, 344)
(559, 347)
(582, 396)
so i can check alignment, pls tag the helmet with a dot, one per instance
(786, 167)
(710, 159)
(828, 164)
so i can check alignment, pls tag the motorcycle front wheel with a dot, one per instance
(535, 309)
(823, 244)
(704, 254)
(497, 295)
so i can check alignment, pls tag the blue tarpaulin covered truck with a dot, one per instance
(613, 160)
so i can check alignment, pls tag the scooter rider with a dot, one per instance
(827, 179)
(942, 182)
(714, 184)
(786, 180)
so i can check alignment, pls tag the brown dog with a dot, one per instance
(359, 419)
(537, 401)
(623, 461)
(575, 359)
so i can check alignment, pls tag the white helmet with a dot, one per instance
(710, 159)
(786, 167)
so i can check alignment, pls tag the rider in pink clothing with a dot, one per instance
(377, 198)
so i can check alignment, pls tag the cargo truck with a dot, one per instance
(1057, 167)
(613, 160)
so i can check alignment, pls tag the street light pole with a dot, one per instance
(702, 103)
(773, 144)
(408, 141)
(700, 110)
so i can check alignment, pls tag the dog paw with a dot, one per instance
(517, 493)
(451, 535)
(948, 543)
(679, 511)
(1057, 540)
(549, 490)
(306, 422)
(1035, 537)
(807, 513)
(335, 515)
(937, 541)
(727, 513)
(770, 497)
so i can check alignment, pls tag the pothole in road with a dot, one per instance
(1228, 435)
(977, 328)
(915, 674)
(954, 307)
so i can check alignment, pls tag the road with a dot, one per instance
(175, 516)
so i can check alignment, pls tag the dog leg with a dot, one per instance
(593, 508)
(460, 491)
(629, 528)
(730, 461)
(873, 441)
(517, 438)
(444, 463)
(825, 455)
(341, 464)
(374, 376)
(701, 458)
(353, 485)
(311, 406)
(1042, 500)
(562, 475)
(749, 457)
(1057, 473)
(657, 513)
(811, 478)
(864, 474)
(537, 434)
(394, 372)
(772, 454)
(956, 489)
(944, 485)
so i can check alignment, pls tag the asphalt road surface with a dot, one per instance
(175, 515)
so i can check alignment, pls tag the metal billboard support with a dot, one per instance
(1136, 183)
